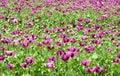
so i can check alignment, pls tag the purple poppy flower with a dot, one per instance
(46, 36)
(82, 44)
(96, 41)
(53, 58)
(25, 44)
(24, 65)
(73, 40)
(66, 39)
(6, 40)
(14, 20)
(89, 48)
(60, 52)
(83, 37)
(69, 53)
(3, 48)
(109, 49)
(62, 23)
(2, 58)
(112, 38)
(117, 44)
(61, 35)
(10, 66)
(50, 64)
(15, 42)
(50, 47)
(87, 21)
(85, 62)
(9, 53)
(29, 60)
(65, 57)
(58, 43)
(118, 54)
(116, 60)
(99, 69)
(91, 69)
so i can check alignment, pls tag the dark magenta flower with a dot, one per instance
(90, 70)
(83, 37)
(116, 60)
(65, 57)
(82, 44)
(50, 47)
(25, 44)
(117, 44)
(61, 35)
(73, 40)
(46, 36)
(66, 39)
(89, 48)
(29, 60)
(112, 38)
(15, 42)
(58, 43)
(3, 48)
(109, 49)
(85, 62)
(24, 65)
(9, 53)
(118, 54)
(2, 58)
(60, 52)
(10, 66)
(50, 64)
(96, 41)
(52, 58)
(6, 40)
(97, 69)
(87, 21)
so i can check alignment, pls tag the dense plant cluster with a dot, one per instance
(59, 37)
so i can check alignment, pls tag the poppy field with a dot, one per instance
(59, 37)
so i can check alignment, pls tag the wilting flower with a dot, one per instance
(85, 62)
(9, 53)
(10, 66)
